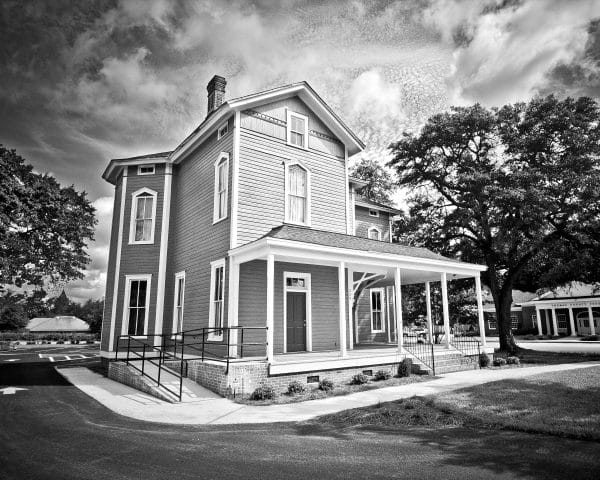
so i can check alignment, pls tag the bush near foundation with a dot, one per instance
(263, 392)
(359, 379)
(499, 362)
(405, 368)
(326, 385)
(382, 375)
(484, 360)
(513, 361)
(295, 387)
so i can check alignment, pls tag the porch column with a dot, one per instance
(342, 306)
(547, 317)
(572, 322)
(554, 325)
(270, 297)
(387, 298)
(398, 306)
(480, 310)
(538, 319)
(591, 316)
(445, 310)
(233, 304)
(350, 287)
(428, 309)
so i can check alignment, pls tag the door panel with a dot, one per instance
(296, 321)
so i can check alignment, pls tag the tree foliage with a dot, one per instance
(515, 188)
(380, 184)
(44, 228)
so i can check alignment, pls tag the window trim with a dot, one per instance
(134, 195)
(126, 298)
(289, 115)
(377, 229)
(308, 290)
(376, 212)
(220, 133)
(222, 156)
(379, 290)
(178, 276)
(151, 165)
(214, 265)
(286, 219)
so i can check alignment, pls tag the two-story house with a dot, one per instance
(248, 243)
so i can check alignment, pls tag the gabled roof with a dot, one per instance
(366, 203)
(61, 323)
(572, 290)
(341, 240)
(301, 89)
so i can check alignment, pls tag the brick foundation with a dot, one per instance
(122, 373)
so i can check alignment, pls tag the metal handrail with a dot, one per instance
(468, 346)
(423, 350)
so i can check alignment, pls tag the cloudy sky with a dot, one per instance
(82, 82)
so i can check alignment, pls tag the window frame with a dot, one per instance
(223, 156)
(132, 219)
(289, 115)
(220, 132)
(377, 229)
(373, 212)
(151, 165)
(492, 321)
(214, 265)
(286, 214)
(380, 291)
(126, 301)
(178, 276)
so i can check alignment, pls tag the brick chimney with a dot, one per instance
(216, 93)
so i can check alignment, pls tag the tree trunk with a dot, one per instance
(503, 302)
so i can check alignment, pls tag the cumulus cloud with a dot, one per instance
(505, 50)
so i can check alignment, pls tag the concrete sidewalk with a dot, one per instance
(208, 410)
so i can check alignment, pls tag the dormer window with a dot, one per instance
(221, 187)
(146, 170)
(374, 233)
(223, 130)
(297, 129)
(143, 215)
(373, 213)
(297, 194)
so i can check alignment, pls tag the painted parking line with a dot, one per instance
(65, 358)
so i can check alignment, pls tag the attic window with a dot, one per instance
(297, 129)
(146, 170)
(223, 130)
(373, 213)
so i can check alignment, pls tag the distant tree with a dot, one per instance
(62, 305)
(44, 228)
(92, 312)
(12, 312)
(380, 184)
(515, 188)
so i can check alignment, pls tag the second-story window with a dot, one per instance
(297, 195)
(143, 214)
(297, 129)
(221, 187)
(374, 233)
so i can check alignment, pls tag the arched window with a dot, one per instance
(297, 194)
(143, 215)
(374, 233)
(221, 187)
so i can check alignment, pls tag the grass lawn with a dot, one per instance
(564, 403)
(339, 389)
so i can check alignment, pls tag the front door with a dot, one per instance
(296, 321)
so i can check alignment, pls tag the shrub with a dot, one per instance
(484, 360)
(405, 368)
(326, 385)
(382, 375)
(359, 379)
(295, 387)
(264, 392)
(499, 362)
(591, 338)
(513, 361)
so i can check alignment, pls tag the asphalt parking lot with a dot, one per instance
(51, 430)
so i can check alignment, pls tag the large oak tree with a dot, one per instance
(515, 188)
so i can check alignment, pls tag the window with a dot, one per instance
(221, 187)
(143, 213)
(146, 170)
(217, 299)
(561, 319)
(297, 129)
(137, 297)
(373, 213)
(492, 325)
(223, 130)
(514, 321)
(179, 300)
(297, 194)
(377, 324)
(374, 233)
